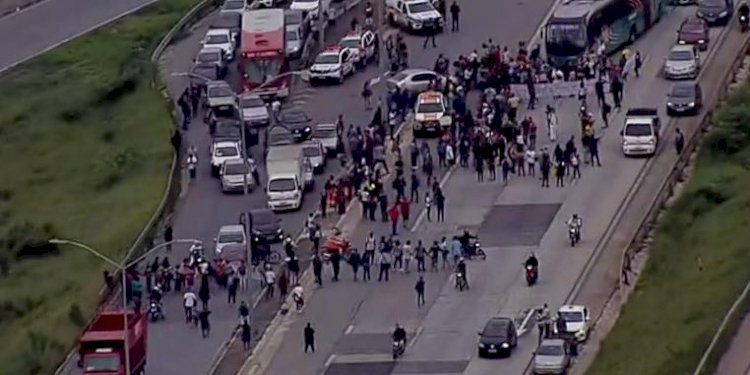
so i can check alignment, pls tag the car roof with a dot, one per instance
(217, 32)
(684, 85)
(217, 84)
(210, 49)
(293, 114)
(497, 324)
(430, 97)
(232, 228)
(683, 47)
(234, 161)
(225, 144)
(263, 213)
(552, 342)
(412, 71)
(571, 308)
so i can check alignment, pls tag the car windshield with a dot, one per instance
(712, 4)
(349, 43)
(638, 130)
(692, 28)
(324, 132)
(680, 91)
(420, 7)
(235, 169)
(430, 108)
(291, 36)
(259, 70)
(209, 57)
(281, 185)
(101, 364)
(208, 71)
(311, 151)
(231, 238)
(566, 37)
(219, 92)
(234, 4)
(217, 39)
(571, 316)
(327, 58)
(263, 217)
(252, 102)
(226, 151)
(399, 77)
(551, 350)
(681, 55)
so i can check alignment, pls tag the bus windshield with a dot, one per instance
(566, 38)
(260, 70)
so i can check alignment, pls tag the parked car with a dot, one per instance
(551, 357)
(576, 321)
(230, 234)
(683, 62)
(715, 12)
(233, 6)
(328, 137)
(693, 31)
(266, 226)
(313, 150)
(220, 38)
(684, 98)
(254, 110)
(235, 174)
(297, 121)
(229, 21)
(415, 81)
(498, 338)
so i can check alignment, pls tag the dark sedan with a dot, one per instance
(693, 30)
(715, 12)
(266, 226)
(297, 121)
(498, 338)
(685, 98)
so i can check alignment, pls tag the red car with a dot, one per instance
(693, 30)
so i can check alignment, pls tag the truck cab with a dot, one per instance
(640, 135)
(414, 15)
(101, 348)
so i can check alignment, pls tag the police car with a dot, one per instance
(431, 113)
(361, 45)
(335, 63)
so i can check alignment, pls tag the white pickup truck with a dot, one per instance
(640, 135)
(414, 15)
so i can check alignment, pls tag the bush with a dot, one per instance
(28, 240)
(76, 315)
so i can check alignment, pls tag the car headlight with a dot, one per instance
(505, 345)
(651, 141)
(481, 345)
(625, 143)
(307, 128)
(580, 333)
(278, 231)
(691, 104)
(701, 41)
(681, 42)
(699, 13)
(669, 104)
(723, 14)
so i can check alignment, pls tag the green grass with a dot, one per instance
(84, 152)
(677, 304)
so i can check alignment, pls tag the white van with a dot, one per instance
(286, 177)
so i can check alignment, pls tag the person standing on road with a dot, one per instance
(408, 253)
(455, 11)
(606, 109)
(168, 233)
(309, 338)
(317, 269)
(189, 301)
(234, 284)
(385, 265)
(298, 296)
(283, 285)
(355, 260)
(440, 205)
(366, 262)
(434, 256)
(367, 94)
(428, 205)
(638, 64)
(575, 163)
(419, 288)
(429, 36)
(335, 265)
(370, 247)
(244, 312)
(204, 323)
(270, 278)
(393, 215)
(246, 336)
(414, 187)
(679, 141)
(560, 174)
(404, 208)
(419, 254)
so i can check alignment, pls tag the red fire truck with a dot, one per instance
(263, 61)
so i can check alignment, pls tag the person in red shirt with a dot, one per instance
(393, 215)
(404, 206)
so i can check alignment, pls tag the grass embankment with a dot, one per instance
(699, 261)
(84, 154)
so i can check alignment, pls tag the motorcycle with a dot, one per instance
(398, 348)
(743, 23)
(531, 275)
(461, 282)
(154, 312)
(475, 249)
(574, 234)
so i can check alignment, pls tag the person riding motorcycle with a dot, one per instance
(368, 14)
(399, 335)
(531, 261)
(576, 222)
(461, 271)
(465, 239)
(744, 13)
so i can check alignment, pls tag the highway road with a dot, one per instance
(354, 320)
(46, 25)
(735, 361)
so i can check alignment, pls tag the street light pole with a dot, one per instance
(121, 267)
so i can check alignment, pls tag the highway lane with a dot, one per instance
(51, 23)
(355, 328)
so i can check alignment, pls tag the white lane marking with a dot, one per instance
(416, 336)
(522, 329)
(349, 329)
(329, 360)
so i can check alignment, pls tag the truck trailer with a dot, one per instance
(101, 348)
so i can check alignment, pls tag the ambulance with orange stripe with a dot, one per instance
(431, 113)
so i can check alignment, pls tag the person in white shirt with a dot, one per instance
(531, 161)
(189, 300)
(270, 279)
(298, 295)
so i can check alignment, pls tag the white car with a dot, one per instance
(222, 151)
(361, 45)
(327, 135)
(308, 6)
(221, 38)
(313, 150)
(576, 319)
(431, 113)
(414, 15)
(230, 234)
(332, 64)
(233, 6)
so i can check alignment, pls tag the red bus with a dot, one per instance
(262, 53)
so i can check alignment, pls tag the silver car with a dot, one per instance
(212, 55)
(254, 110)
(294, 42)
(233, 6)
(234, 173)
(313, 150)
(683, 62)
(219, 95)
(551, 357)
(416, 81)
(327, 135)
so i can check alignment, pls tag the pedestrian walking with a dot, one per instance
(679, 141)
(370, 247)
(244, 313)
(366, 94)
(393, 215)
(317, 269)
(408, 253)
(560, 174)
(168, 233)
(606, 109)
(270, 279)
(283, 285)
(298, 296)
(575, 163)
(335, 260)
(506, 168)
(429, 37)
(366, 262)
(234, 284)
(246, 336)
(415, 184)
(385, 265)
(354, 261)
(440, 205)
(479, 165)
(434, 256)
(309, 338)
(419, 254)
(638, 64)
(204, 323)
(428, 205)
(404, 208)
(455, 11)
(419, 288)
(189, 302)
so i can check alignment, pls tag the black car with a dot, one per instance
(715, 12)
(685, 98)
(266, 226)
(278, 135)
(297, 121)
(498, 338)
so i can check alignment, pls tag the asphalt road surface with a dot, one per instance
(735, 361)
(51, 23)
(354, 320)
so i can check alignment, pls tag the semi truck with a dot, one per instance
(101, 347)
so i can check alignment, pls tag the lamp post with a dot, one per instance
(121, 267)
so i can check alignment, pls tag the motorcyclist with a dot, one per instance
(368, 14)
(532, 261)
(461, 271)
(399, 335)
(744, 10)
(575, 221)
(155, 294)
(465, 240)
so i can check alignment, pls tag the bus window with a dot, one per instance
(566, 38)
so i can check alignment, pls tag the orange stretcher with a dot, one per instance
(335, 242)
